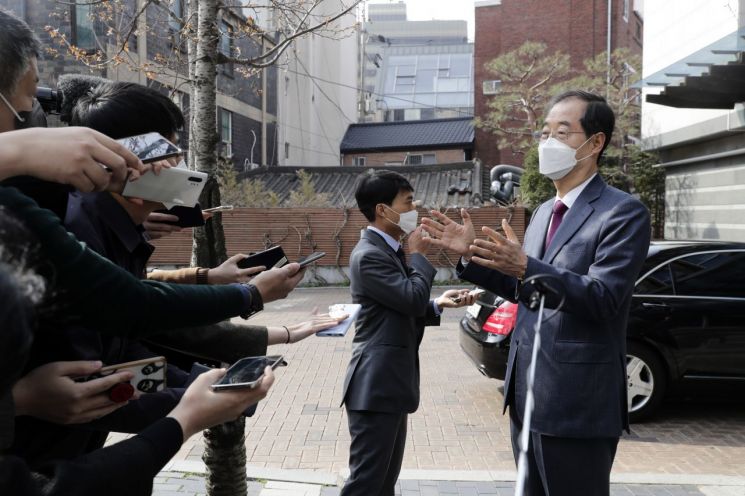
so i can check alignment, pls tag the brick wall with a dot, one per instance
(442, 157)
(575, 27)
(302, 231)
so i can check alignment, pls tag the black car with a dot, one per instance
(686, 330)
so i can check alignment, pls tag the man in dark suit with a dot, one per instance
(592, 238)
(382, 383)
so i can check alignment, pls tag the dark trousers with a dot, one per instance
(562, 466)
(376, 452)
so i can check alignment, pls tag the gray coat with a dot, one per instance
(597, 252)
(383, 374)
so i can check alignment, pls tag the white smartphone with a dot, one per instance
(171, 187)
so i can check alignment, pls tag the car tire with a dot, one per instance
(646, 381)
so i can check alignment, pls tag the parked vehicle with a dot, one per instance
(686, 329)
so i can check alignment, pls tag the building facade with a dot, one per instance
(318, 92)
(246, 105)
(697, 125)
(412, 70)
(579, 29)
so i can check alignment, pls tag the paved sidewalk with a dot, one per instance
(191, 484)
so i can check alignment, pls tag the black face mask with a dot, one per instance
(22, 124)
(21, 118)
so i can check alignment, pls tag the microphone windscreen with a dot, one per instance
(72, 87)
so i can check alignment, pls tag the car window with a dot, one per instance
(710, 274)
(658, 282)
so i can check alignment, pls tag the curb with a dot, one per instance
(332, 479)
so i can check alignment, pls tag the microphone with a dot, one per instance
(71, 87)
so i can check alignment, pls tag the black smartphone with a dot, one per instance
(247, 372)
(271, 258)
(151, 147)
(187, 216)
(311, 258)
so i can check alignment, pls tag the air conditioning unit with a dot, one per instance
(491, 87)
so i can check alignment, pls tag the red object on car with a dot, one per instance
(502, 319)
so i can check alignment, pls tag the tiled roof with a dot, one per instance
(409, 135)
(442, 185)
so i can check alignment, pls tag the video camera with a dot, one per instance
(50, 100)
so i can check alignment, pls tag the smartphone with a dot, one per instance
(311, 258)
(475, 292)
(151, 147)
(271, 258)
(187, 216)
(221, 208)
(149, 373)
(247, 372)
(171, 187)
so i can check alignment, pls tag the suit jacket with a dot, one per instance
(383, 374)
(597, 252)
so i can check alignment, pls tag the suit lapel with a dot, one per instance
(380, 243)
(575, 217)
(536, 235)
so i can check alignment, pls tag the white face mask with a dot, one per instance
(557, 159)
(407, 221)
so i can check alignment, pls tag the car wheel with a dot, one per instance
(646, 381)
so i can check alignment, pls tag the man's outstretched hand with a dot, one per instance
(446, 233)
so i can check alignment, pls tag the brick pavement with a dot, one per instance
(180, 484)
(459, 425)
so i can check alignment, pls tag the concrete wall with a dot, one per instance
(704, 198)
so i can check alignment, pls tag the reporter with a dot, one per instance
(127, 467)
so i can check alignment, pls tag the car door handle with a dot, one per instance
(655, 305)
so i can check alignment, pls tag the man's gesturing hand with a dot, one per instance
(500, 253)
(446, 233)
(276, 284)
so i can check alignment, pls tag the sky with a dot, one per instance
(426, 10)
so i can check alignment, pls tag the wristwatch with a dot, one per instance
(257, 302)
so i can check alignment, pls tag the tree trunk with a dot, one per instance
(224, 451)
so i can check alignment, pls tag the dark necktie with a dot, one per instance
(402, 256)
(557, 216)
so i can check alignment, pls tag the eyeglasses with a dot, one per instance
(561, 135)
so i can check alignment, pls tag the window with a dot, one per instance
(718, 274)
(638, 32)
(177, 9)
(491, 87)
(421, 159)
(360, 161)
(226, 132)
(226, 46)
(626, 10)
(83, 35)
(659, 282)
(287, 150)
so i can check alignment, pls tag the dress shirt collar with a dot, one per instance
(395, 245)
(572, 196)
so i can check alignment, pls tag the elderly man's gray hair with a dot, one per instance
(18, 45)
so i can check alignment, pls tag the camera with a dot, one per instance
(49, 99)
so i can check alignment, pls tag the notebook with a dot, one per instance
(340, 329)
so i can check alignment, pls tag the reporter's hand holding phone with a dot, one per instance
(50, 393)
(201, 407)
(229, 271)
(77, 156)
(276, 284)
(160, 225)
(455, 298)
